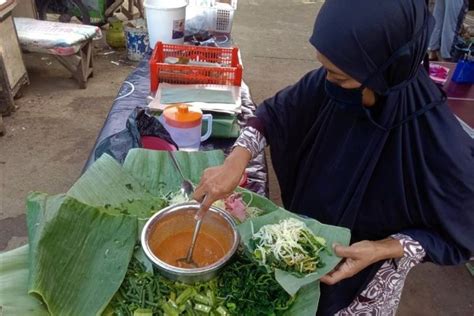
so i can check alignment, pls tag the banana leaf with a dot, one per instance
(111, 188)
(256, 200)
(306, 301)
(145, 166)
(78, 254)
(156, 172)
(106, 183)
(14, 298)
(224, 125)
(333, 234)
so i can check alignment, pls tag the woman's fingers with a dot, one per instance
(356, 257)
(345, 269)
(202, 188)
(202, 194)
(344, 252)
(205, 205)
(199, 192)
(216, 183)
(334, 277)
(207, 191)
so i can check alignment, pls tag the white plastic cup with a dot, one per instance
(165, 21)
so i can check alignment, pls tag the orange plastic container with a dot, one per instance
(230, 72)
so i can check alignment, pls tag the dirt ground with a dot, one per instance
(50, 135)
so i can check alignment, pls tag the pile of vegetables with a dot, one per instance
(147, 293)
(82, 257)
(288, 245)
(249, 289)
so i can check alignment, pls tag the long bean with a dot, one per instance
(145, 290)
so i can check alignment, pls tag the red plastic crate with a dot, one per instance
(230, 72)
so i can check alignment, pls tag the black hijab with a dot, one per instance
(406, 166)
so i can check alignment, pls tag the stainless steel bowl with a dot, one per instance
(178, 218)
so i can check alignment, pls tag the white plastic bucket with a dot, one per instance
(165, 21)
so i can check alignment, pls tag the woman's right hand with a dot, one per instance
(219, 182)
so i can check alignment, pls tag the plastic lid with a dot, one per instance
(182, 116)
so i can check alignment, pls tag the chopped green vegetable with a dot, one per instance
(186, 295)
(143, 312)
(288, 245)
(142, 289)
(202, 308)
(202, 299)
(249, 289)
(169, 309)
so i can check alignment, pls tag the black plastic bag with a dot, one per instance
(139, 123)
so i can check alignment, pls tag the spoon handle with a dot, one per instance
(176, 164)
(189, 256)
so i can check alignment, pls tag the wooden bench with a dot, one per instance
(70, 44)
(13, 75)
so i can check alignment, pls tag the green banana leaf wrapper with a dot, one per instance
(289, 281)
(82, 242)
(224, 126)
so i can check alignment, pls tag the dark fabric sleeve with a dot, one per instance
(286, 117)
(256, 123)
(439, 249)
(444, 188)
(286, 120)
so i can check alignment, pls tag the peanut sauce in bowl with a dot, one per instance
(167, 235)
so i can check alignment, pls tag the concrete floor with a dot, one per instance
(51, 134)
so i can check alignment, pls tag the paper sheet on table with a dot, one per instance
(185, 95)
(220, 93)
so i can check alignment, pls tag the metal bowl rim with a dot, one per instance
(183, 271)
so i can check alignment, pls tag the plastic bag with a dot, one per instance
(199, 20)
(139, 123)
(464, 72)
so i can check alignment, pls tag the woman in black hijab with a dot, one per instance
(367, 142)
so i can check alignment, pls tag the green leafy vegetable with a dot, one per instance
(288, 245)
(249, 289)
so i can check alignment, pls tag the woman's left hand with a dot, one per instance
(360, 255)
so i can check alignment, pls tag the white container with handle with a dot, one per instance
(184, 124)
